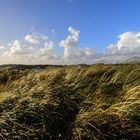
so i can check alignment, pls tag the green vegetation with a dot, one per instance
(79, 102)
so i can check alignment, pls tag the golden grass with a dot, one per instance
(92, 102)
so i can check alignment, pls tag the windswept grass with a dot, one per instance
(79, 102)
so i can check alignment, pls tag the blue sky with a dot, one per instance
(100, 22)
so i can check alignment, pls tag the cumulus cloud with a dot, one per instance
(89, 52)
(112, 49)
(17, 49)
(84, 53)
(127, 47)
(129, 40)
(32, 39)
(35, 38)
(72, 54)
(18, 53)
(47, 50)
(26, 54)
(128, 44)
(70, 42)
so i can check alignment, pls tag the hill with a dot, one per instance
(133, 60)
(79, 102)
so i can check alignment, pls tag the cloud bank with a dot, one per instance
(38, 49)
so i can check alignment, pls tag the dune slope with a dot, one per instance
(82, 102)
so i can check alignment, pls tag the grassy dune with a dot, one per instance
(96, 102)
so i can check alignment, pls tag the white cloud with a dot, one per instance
(21, 53)
(16, 49)
(89, 52)
(84, 53)
(1, 47)
(70, 42)
(112, 49)
(128, 44)
(18, 53)
(35, 38)
(128, 40)
(47, 50)
(73, 54)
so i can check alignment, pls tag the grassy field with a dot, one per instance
(79, 102)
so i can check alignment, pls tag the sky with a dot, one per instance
(68, 31)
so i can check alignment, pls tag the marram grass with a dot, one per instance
(81, 102)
